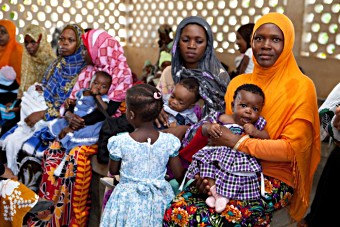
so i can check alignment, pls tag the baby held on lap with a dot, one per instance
(180, 104)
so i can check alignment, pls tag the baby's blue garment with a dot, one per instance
(86, 136)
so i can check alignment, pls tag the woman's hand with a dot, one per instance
(202, 185)
(63, 132)
(8, 174)
(34, 118)
(75, 122)
(69, 102)
(162, 119)
(227, 138)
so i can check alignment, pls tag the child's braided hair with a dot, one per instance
(145, 101)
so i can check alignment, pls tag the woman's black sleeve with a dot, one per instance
(97, 115)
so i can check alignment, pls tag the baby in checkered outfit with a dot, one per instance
(232, 174)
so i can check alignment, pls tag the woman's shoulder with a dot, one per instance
(167, 70)
(305, 85)
(237, 81)
(19, 48)
(249, 52)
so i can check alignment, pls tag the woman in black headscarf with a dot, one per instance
(193, 49)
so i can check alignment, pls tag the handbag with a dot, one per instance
(111, 127)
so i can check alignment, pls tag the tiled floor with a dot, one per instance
(281, 218)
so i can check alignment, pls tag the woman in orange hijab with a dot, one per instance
(290, 158)
(10, 55)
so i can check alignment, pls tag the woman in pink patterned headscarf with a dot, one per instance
(104, 53)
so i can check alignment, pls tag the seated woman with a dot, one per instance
(289, 159)
(10, 56)
(70, 191)
(37, 56)
(57, 84)
(193, 49)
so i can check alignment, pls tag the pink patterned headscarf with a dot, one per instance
(107, 55)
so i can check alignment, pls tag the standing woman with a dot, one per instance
(71, 190)
(10, 55)
(193, 49)
(289, 159)
(37, 56)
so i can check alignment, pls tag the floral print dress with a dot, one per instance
(189, 208)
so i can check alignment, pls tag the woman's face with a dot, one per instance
(67, 42)
(192, 44)
(4, 36)
(31, 45)
(241, 43)
(267, 45)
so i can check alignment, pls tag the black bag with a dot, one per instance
(111, 127)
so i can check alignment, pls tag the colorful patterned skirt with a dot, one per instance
(71, 190)
(189, 208)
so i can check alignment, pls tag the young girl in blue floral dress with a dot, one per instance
(141, 158)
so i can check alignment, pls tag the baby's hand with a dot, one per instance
(250, 129)
(94, 90)
(172, 124)
(69, 102)
(8, 105)
(214, 130)
(14, 109)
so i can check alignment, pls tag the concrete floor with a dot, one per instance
(281, 218)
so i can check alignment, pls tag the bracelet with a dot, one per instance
(243, 138)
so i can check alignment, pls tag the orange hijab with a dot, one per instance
(11, 54)
(290, 95)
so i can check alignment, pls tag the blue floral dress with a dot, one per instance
(142, 194)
